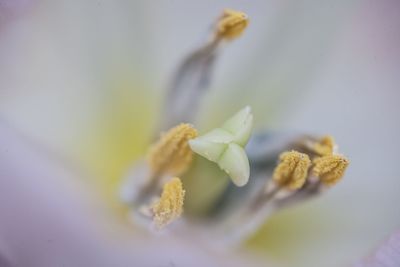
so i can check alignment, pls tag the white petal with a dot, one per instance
(49, 216)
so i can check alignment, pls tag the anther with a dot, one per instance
(231, 24)
(170, 205)
(292, 171)
(325, 146)
(330, 169)
(172, 154)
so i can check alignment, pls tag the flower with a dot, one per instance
(230, 212)
(76, 98)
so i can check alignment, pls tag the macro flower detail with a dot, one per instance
(172, 154)
(193, 76)
(259, 186)
(169, 156)
(232, 24)
(330, 169)
(170, 205)
(324, 146)
(225, 146)
(327, 164)
(292, 170)
(116, 147)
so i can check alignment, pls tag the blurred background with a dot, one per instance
(85, 80)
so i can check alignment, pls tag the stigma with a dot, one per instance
(225, 146)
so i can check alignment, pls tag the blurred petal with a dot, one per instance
(11, 9)
(387, 255)
(82, 76)
(50, 218)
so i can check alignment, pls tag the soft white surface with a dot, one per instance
(49, 217)
(318, 67)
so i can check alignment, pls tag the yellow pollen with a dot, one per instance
(292, 170)
(325, 146)
(170, 205)
(231, 24)
(330, 169)
(172, 154)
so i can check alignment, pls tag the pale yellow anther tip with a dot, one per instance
(325, 146)
(170, 205)
(172, 154)
(330, 169)
(292, 170)
(231, 24)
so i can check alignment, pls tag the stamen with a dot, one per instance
(330, 169)
(231, 24)
(170, 205)
(194, 75)
(325, 146)
(292, 170)
(172, 154)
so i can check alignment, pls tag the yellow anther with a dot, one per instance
(292, 170)
(231, 24)
(330, 169)
(325, 146)
(170, 205)
(172, 154)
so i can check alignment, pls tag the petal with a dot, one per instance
(49, 216)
